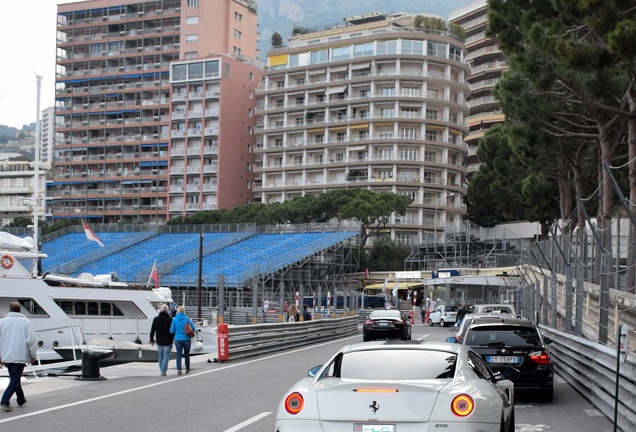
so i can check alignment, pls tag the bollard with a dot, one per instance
(427, 314)
(90, 363)
(411, 317)
(222, 343)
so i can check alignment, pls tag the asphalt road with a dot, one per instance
(234, 396)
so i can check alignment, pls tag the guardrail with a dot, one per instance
(590, 368)
(256, 339)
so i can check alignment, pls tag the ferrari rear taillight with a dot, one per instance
(540, 357)
(294, 403)
(462, 405)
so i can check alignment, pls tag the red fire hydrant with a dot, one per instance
(223, 353)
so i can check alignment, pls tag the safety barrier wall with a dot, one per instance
(590, 368)
(256, 339)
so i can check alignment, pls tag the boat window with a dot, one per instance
(117, 311)
(105, 309)
(80, 308)
(93, 308)
(66, 306)
(32, 307)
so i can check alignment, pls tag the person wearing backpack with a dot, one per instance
(182, 342)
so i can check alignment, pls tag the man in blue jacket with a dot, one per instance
(17, 348)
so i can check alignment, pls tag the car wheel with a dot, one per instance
(547, 394)
(430, 322)
(442, 323)
(365, 338)
(511, 425)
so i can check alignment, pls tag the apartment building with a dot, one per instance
(487, 65)
(212, 134)
(114, 100)
(371, 102)
(17, 198)
(47, 135)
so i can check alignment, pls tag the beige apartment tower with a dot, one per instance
(114, 119)
(487, 65)
(373, 102)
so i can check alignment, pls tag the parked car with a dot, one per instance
(514, 342)
(443, 314)
(437, 384)
(386, 323)
(495, 308)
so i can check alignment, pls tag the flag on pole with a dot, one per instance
(90, 234)
(154, 275)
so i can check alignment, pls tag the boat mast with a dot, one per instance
(36, 177)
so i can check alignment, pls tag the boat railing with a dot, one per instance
(75, 337)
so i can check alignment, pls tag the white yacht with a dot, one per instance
(73, 313)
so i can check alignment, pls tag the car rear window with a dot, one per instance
(510, 336)
(451, 308)
(499, 309)
(397, 365)
(389, 313)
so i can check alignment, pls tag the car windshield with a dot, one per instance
(503, 335)
(498, 309)
(387, 313)
(397, 365)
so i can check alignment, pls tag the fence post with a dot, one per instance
(553, 300)
(580, 288)
(606, 263)
(220, 284)
(568, 298)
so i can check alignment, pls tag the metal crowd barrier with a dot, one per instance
(257, 339)
(590, 368)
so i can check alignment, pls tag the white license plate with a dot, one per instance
(362, 427)
(503, 359)
(384, 324)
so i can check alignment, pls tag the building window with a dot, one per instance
(455, 54)
(249, 112)
(237, 34)
(251, 76)
(409, 133)
(249, 130)
(321, 56)
(191, 38)
(250, 94)
(341, 53)
(236, 51)
(437, 50)
(193, 3)
(238, 17)
(192, 20)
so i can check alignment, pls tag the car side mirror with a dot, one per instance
(506, 373)
(313, 371)
(452, 339)
(547, 340)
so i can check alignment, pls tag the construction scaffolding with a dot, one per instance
(467, 246)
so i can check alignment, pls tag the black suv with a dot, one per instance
(517, 343)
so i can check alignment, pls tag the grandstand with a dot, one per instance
(295, 257)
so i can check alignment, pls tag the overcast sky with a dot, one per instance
(28, 49)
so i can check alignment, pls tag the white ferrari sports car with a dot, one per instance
(400, 386)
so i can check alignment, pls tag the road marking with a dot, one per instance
(423, 337)
(247, 422)
(160, 383)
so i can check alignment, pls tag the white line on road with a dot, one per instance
(107, 396)
(248, 422)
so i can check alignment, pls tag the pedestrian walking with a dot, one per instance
(160, 329)
(17, 348)
(182, 341)
(293, 313)
(461, 313)
(306, 313)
